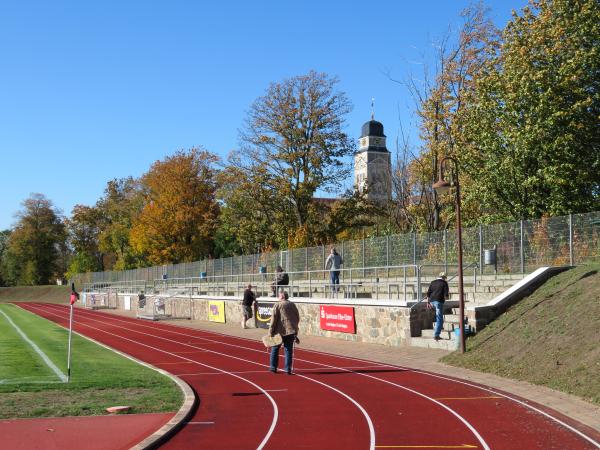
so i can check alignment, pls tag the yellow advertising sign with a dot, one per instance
(216, 311)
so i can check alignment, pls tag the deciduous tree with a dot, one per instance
(36, 243)
(179, 217)
(84, 228)
(294, 139)
(534, 126)
(117, 209)
(442, 99)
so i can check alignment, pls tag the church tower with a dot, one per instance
(372, 163)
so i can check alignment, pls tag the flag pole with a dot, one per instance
(69, 348)
(73, 299)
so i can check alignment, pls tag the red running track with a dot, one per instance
(331, 402)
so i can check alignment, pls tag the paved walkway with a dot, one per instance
(424, 359)
(87, 432)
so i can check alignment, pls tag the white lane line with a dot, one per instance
(466, 383)
(275, 409)
(303, 370)
(360, 408)
(350, 358)
(39, 351)
(522, 403)
(442, 405)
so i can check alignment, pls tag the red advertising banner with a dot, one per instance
(337, 318)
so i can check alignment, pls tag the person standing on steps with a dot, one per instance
(333, 264)
(247, 303)
(284, 321)
(437, 294)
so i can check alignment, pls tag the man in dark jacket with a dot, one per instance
(437, 294)
(281, 279)
(247, 303)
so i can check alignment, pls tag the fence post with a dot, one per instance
(445, 250)
(387, 250)
(480, 250)
(322, 262)
(306, 259)
(571, 259)
(522, 250)
(363, 256)
(414, 236)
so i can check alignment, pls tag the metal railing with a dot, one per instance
(390, 282)
(521, 247)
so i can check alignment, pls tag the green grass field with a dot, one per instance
(549, 338)
(99, 377)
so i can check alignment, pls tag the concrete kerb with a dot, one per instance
(165, 432)
(426, 360)
(418, 359)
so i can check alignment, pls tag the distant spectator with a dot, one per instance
(248, 302)
(333, 264)
(141, 300)
(284, 321)
(437, 294)
(281, 279)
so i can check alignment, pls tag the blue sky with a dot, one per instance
(91, 91)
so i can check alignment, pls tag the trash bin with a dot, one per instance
(457, 338)
(457, 334)
(489, 257)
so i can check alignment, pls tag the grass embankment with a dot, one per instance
(46, 294)
(550, 338)
(99, 377)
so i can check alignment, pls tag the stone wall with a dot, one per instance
(386, 325)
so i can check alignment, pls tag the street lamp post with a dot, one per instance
(441, 186)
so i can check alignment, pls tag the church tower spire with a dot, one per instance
(372, 162)
(372, 108)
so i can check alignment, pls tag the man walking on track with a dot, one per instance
(247, 303)
(437, 294)
(284, 321)
(333, 264)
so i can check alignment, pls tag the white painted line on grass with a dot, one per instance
(343, 394)
(273, 403)
(45, 358)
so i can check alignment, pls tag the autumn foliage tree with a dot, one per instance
(441, 107)
(84, 227)
(116, 211)
(534, 127)
(179, 217)
(36, 246)
(293, 145)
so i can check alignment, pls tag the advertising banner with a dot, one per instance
(337, 318)
(263, 314)
(216, 311)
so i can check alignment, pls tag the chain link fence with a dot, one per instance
(521, 247)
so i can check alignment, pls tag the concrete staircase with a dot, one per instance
(484, 290)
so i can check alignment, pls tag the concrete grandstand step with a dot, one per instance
(445, 334)
(427, 342)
